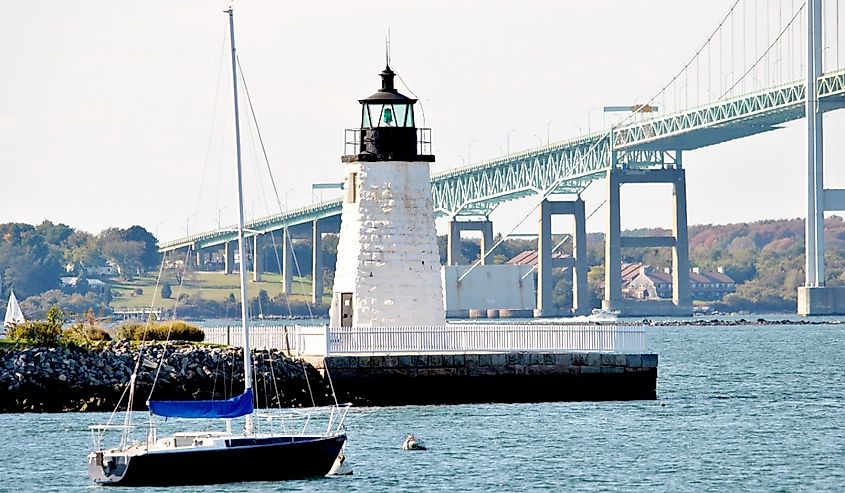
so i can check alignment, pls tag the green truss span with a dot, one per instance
(569, 166)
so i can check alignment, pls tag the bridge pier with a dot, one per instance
(681, 304)
(545, 262)
(229, 256)
(317, 263)
(453, 250)
(257, 258)
(287, 261)
(814, 298)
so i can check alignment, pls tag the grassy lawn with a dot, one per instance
(209, 285)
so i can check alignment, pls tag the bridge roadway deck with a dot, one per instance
(569, 166)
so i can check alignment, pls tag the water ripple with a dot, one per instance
(740, 409)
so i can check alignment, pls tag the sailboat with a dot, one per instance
(14, 315)
(188, 458)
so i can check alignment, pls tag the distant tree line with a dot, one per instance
(34, 258)
(765, 258)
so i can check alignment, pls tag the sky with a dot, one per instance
(119, 113)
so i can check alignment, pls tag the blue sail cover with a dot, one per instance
(230, 408)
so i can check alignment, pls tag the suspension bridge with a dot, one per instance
(718, 96)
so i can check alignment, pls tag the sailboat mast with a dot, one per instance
(244, 311)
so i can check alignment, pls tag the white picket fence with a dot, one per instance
(449, 338)
(270, 337)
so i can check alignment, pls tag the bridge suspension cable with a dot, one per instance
(728, 84)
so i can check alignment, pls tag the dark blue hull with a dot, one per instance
(244, 459)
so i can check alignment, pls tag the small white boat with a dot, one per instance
(602, 315)
(14, 315)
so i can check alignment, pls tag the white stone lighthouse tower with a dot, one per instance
(388, 266)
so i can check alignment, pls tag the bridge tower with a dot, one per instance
(671, 172)
(814, 298)
(388, 266)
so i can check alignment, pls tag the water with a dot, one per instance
(740, 409)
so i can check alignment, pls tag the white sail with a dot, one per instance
(14, 315)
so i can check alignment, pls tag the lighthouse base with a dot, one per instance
(388, 380)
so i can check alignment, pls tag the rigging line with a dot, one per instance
(181, 281)
(264, 383)
(275, 383)
(258, 133)
(275, 190)
(213, 125)
(214, 386)
(331, 385)
(772, 45)
(158, 280)
(211, 135)
(422, 108)
(307, 382)
(164, 348)
(255, 162)
(282, 273)
(113, 414)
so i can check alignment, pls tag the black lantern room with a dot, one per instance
(388, 131)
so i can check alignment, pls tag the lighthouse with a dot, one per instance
(388, 264)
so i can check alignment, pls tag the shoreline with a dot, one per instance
(68, 379)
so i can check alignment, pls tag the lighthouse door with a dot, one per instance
(346, 309)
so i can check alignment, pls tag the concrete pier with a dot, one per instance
(287, 261)
(229, 256)
(453, 251)
(257, 258)
(578, 261)
(681, 304)
(821, 300)
(404, 379)
(317, 263)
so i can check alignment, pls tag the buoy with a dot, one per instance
(413, 442)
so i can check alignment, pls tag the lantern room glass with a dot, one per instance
(377, 115)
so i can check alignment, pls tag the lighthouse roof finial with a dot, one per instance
(387, 50)
(388, 90)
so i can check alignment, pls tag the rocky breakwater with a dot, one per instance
(54, 379)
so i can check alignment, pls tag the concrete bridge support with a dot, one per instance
(814, 298)
(681, 303)
(257, 258)
(287, 261)
(453, 250)
(229, 256)
(578, 262)
(317, 263)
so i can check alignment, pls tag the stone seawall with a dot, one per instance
(58, 379)
(491, 377)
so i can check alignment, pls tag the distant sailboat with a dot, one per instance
(14, 315)
(208, 457)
